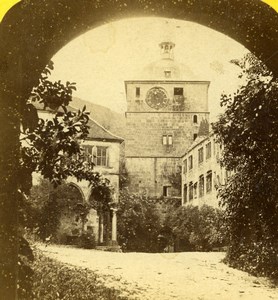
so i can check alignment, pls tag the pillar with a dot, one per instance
(101, 228)
(114, 226)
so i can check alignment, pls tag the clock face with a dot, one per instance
(156, 98)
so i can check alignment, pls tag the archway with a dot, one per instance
(72, 215)
(33, 31)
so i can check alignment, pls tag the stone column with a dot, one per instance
(114, 226)
(101, 228)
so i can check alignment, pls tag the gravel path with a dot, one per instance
(182, 276)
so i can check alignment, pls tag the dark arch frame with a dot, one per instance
(33, 31)
(76, 186)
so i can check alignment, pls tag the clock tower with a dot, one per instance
(164, 110)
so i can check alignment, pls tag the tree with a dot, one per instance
(45, 206)
(50, 147)
(139, 222)
(249, 132)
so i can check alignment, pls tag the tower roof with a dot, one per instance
(166, 68)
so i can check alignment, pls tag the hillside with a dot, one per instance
(111, 120)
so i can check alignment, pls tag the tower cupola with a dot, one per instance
(167, 50)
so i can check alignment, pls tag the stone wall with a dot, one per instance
(146, 130)
(195, 95)
(150, 175)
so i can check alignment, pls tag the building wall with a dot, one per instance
(146, 130)
(111, 171)
(149, 160)
(209, 165)
(151, 175)
(195, 95)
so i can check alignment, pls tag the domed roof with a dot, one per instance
(166, 68)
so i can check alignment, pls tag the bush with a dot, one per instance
(138, 223)
(56, 281)
(197, 229)
(87, 241)
(249, 132)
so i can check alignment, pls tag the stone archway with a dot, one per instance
(33, 31)
(71, 221)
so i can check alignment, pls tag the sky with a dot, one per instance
(100, 60)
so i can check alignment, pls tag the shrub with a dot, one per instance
(87, 241)
(56, 281)
(197, 229)
(249, 131)
(138, 223)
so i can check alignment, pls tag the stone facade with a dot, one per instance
(163, 117)
(202, 174)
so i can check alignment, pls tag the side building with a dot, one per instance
(201, 172)
(104, 147)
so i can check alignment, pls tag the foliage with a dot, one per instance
(204, 128)
(124, 179)
(138, 222)
(25, 260)
(175, 180)
(56, 281)
(46, 204)
(52, 94)
(197, 229)
(249, 131)
(101, 196)
(52, 148)
(87, 241)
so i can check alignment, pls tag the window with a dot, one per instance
(88, 149)
(209, 181)
(201, 186)
(178, 91)
(185, 193)
(137, 92)
(195, 188)
(195, 119)
(101, 156)
(167, 140)
(166, 191)
(185, 166)
(170, 140)
(201, 155)
(195, 136)
(190, 162)
(167, 74)
(190, 190)
(208, 150)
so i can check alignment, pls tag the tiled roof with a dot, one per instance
(96, 131)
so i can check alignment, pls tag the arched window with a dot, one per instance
(195, 119)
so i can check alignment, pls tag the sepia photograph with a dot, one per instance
(139, 149)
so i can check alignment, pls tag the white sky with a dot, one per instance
(100, 60)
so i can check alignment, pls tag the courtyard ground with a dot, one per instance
(161, 276)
